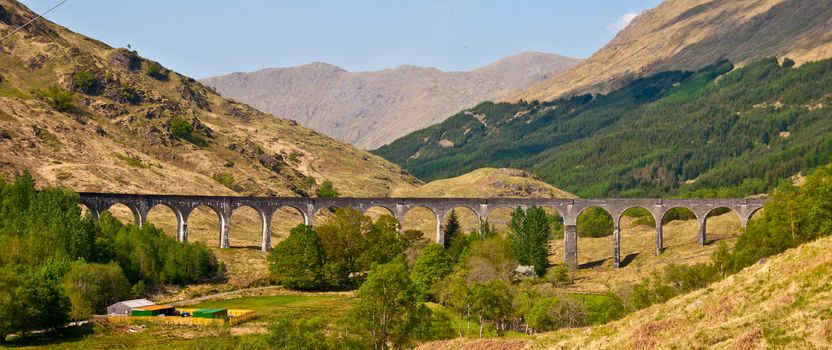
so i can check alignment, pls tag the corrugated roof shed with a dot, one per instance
(124, 307)
(137, 303)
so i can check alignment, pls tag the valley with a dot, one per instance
(672, 190)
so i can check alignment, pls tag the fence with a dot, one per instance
(235, 317)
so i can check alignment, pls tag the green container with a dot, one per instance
(138, 312)
(211, 313)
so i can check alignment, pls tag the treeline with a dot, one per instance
(57, 265)
(718, 131)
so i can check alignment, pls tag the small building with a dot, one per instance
(125, 307)
(211, 313)
(153, 310)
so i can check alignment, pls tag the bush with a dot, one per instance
(554, 313)
(61, 99)
(327, 190)
(180, 127)
(156, 71)
(85, 81)
(559, 274)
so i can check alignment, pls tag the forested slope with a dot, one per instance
(741, 129)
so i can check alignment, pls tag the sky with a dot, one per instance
(208, 37)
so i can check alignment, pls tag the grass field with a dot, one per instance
(271, 308)
(149, 335)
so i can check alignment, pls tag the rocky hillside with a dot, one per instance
(690, 34)
(76, 112)
(370, 109)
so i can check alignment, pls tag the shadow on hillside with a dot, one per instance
(52, 337)
(592, 264)
(628, 259)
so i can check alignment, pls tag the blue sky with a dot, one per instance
(209, 37)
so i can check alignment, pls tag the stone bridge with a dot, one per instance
(569, 209)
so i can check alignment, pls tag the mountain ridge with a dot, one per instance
(691, 34)
(357, 107)
(78, 113)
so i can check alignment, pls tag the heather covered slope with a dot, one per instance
(370, 109)
(691, 34)
(114, 121)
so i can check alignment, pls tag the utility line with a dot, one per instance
(33, 19)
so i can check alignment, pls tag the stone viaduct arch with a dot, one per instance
(569, 209)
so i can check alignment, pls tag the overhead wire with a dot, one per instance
(32, 20)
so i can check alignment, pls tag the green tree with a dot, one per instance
(297, 262)
(451, 229)
(491, 302)
(386, 305)
(91, 287)
(344, 240)
(327, 189)
(432, 265)
(49, 307)
(383, 242)
(453, 291)
(528, 234)
(555, 313)
(489, 259)
(594, 222)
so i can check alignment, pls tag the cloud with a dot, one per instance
(622, 22)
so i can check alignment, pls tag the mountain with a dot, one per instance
(78, 113)
(691, 34)
(742, 130)
(370, 109)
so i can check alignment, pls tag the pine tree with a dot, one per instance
(451, 229)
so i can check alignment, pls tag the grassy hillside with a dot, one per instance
(691, 34)
(672, 132)
(781, 303)
(485, 183)
(78, 113)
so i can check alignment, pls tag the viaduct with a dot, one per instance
(223, 206)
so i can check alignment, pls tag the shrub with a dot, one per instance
(156, 71)
(327, 190)
(559, 274)
(180, 127)
(61, 99)
(84, 81)
(225, 179)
